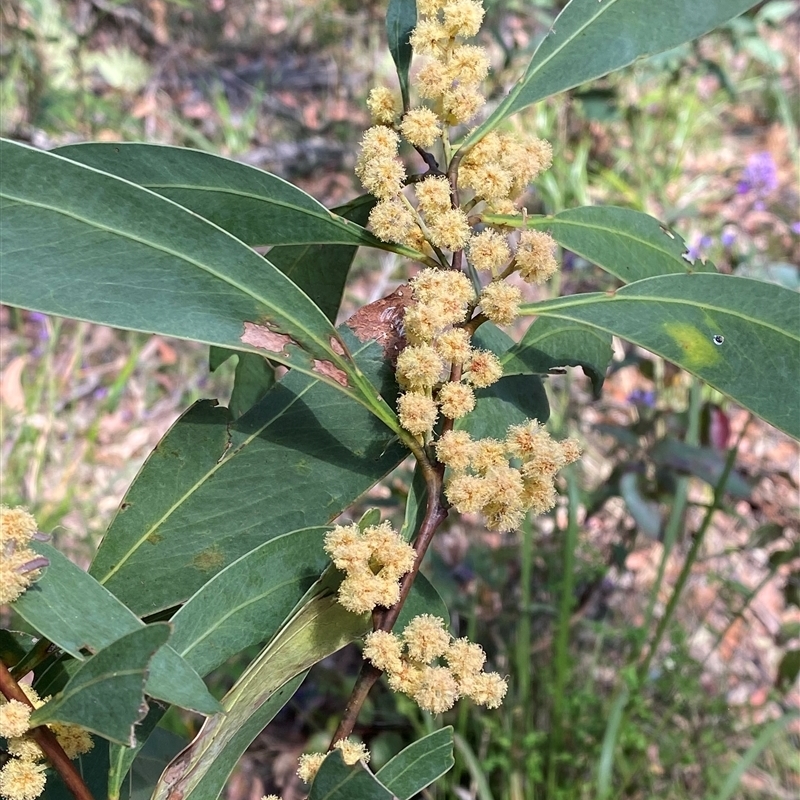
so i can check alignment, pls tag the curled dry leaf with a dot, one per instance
(383, 321)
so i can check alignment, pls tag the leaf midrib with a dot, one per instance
(236, 609)
(621, 234)
(508, 101)
(551, 308)
(181, 256)
(329, 217)
(203, 479)
(227, 457)
(602, 7)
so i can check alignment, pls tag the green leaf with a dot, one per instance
(646, 513)
(552, 343)
(337, 781)
(214, 489)
(159, 750)
(68, 607)
(81, 243)
(415, 505)
(589, 39)
(319, 628)
(788, 670)
(627, 244)
(314, 247)
(753, 358)
(424, 598)
(253, 378)
(510, 401)
(769, 732)
(121, 757)
(706, 463)
(255, 206)
(14, 646)
(419, 765)
(320, 270)
(247, 601)
(93, 767)
(401, 19)
(106, 695)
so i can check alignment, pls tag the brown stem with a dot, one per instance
(431, 163)
(435, 514)
(46, 739)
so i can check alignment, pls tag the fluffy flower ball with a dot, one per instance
(22, 780)
(500, 302)
(421, 127)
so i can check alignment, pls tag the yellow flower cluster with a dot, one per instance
(442, 299)
(454, 70)
(501, 165)
(450, 81)
(373, 560)
(503, 480)
(352, 753)
(412, 665)
(23, 775)
(19, 565)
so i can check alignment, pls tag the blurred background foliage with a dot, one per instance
(606, 701)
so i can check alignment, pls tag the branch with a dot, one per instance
(46, 739)
(435, 514)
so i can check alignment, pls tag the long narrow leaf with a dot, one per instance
(71, 609)
(627, 244)
(419, 764)
(320, 628)
(739, 335)
(215, 489)
(255, 206)
(78, 242)
(401, 17)
(589, 39)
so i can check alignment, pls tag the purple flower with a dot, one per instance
(100, 393)
(696, 250)
(796, 228)
(642, 397)
(760, 176)
(727, 238)
(40, 320)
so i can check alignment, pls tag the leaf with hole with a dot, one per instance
(739, 335)
(553, 343)
(514, 399)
